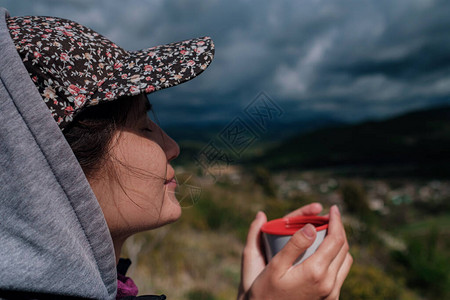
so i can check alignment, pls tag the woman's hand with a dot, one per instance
(319, 277)
(253, 259)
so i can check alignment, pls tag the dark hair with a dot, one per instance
(90, 133)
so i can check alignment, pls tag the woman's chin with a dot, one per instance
(176, 212)
(172, 211)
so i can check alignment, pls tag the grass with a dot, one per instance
(423, 226)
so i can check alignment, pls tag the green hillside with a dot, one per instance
(193, 137)
(415, 142)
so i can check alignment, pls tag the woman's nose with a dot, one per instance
(169, 146)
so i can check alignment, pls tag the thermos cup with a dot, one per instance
(276, 234)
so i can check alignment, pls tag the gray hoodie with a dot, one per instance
(53, 236)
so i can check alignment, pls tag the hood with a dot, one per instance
(53, 236)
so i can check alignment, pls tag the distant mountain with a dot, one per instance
(276, 130)
(418, 141)
(192, 137)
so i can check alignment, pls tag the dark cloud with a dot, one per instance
(348, 59)
(427, 60)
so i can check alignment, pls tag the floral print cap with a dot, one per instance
(75, 67)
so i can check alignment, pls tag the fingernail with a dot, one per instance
(309, 231)
(258, 215)
(336, 209)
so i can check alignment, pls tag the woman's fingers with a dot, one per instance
(343, 254)
(253, 240)
(307, 210)
(343, 272)
(297, 244)
(334, 240)
(333, 271)
(340, 278)
(331, 262)
(253, 258)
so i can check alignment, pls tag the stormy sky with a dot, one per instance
(346, 59)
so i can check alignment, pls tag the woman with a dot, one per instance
(83, 168)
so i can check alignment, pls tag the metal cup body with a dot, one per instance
(274, 243)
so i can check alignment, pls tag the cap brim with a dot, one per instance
(156, 68)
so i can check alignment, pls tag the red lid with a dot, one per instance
(288, 226)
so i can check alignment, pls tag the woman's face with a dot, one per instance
(136, 189)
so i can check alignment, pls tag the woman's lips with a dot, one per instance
(171, 181)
